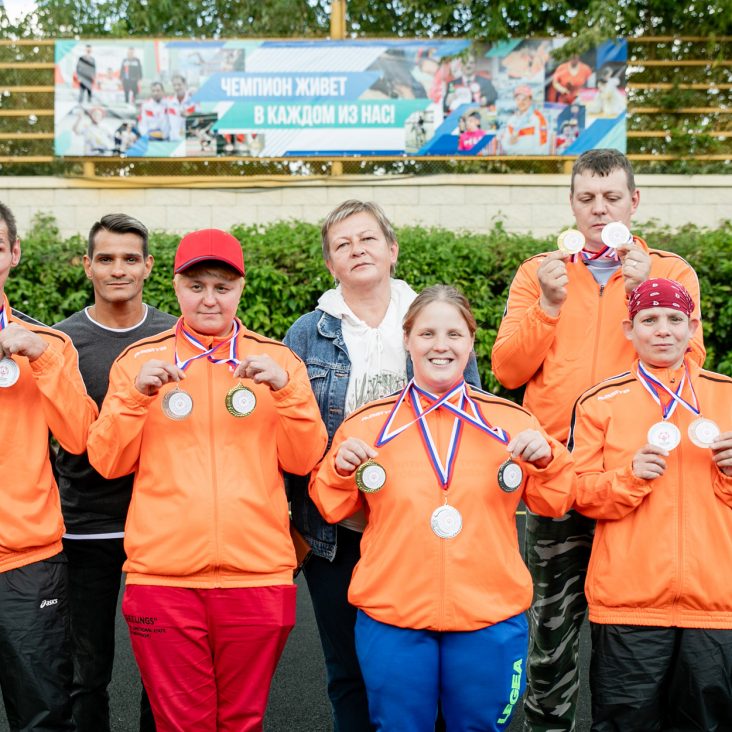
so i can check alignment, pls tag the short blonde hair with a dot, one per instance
(349, 208)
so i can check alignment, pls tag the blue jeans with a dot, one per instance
(478, 676)
(336, 618)
(95, 573)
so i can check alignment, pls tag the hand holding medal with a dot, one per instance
(722, 452)
(352, 454)
(15, 340)
(635, 263)
(553, 280)
(262, 369)
(154, 374)
(531, 447)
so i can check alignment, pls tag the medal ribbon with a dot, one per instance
(387, 434)
(476, 418)
(605, 253)
(206, 352)
(442, 471)
(3, 319)
(652, 385)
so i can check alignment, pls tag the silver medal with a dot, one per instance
(615, 234)
(510, 476)
(446, 522)
(9, 372)
(703, 432)
(177, 404)
(665, 435)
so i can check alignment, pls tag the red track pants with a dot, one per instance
(207, 656)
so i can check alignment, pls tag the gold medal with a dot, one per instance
(177, 404)
(370, 477)
(240, 401)
(571, 241)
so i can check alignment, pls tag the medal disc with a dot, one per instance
(665, 435)
(703, 432)
(571, 241)
(615, 234)
(9, 372)
(370, 477)
(510, 476)
(446, 522)
(177, 404)
(240, 401)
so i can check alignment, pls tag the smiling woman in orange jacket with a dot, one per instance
(208, 415)
(441, 587)
(659, 481)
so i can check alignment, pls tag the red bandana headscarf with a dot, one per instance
(660, 293)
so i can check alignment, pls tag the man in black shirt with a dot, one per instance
(117, 263)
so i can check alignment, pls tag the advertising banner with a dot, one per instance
(360, 98)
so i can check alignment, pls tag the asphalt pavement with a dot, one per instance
(298, 701)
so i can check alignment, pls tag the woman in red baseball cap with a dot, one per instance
(208, 415)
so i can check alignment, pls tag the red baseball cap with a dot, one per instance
(209, 245)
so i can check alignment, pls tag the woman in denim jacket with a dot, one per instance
(352, 345)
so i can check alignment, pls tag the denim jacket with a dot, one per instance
(317, 339)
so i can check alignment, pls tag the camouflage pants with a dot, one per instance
(557, 552)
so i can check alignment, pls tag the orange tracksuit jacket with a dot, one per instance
(49, 395)
(558, 358)
(409, 577)
(208, 505)
(662, 553)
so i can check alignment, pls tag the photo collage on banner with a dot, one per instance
(336, 98)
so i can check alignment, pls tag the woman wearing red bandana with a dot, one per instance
(653, 454)
(440, 468)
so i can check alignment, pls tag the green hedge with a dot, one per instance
(285, 275)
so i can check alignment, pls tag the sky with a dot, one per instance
(17, 8)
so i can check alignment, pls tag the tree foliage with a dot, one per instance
(590, 22)
(286, 275)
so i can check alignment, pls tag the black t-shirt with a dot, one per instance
(92, 504)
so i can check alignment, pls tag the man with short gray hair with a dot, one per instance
(561, 333)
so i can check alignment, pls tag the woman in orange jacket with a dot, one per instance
(653, 453)
(208, 415)
(440, 468)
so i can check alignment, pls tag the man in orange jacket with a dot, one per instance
(653, 454)
(41, 390)
(561, 333)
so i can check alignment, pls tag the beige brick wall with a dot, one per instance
(524, 203)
